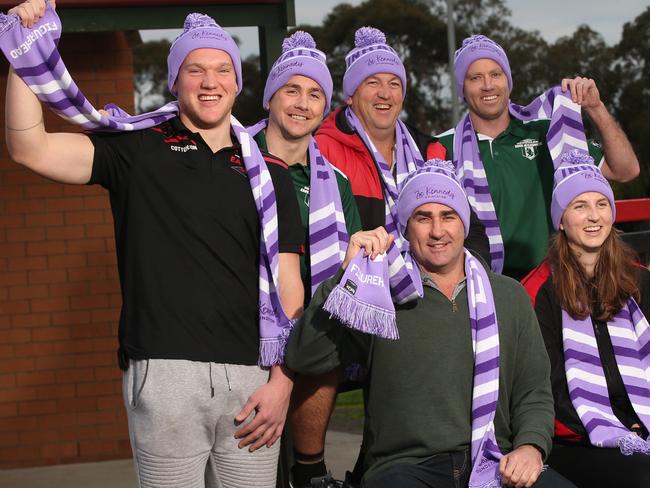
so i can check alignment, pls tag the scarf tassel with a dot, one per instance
(494, 483)
(633, 444)
(361, 316)
(272, 351)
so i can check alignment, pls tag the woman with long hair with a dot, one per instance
(592, 302)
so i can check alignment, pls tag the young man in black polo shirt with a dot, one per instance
(187, 235)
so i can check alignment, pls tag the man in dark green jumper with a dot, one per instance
(515, 154)
(422, 388)
(297, 94)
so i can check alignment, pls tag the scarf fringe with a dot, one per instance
(495, 482)
(272, 351)
(7, 22)
(489, 484)
(361, 316)
(633, 444)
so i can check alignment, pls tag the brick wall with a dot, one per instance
(60, 388)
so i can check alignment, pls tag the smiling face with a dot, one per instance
(587, 221)
(206, 86)
(378, 102)
(297, 108)
(436, 236)
(486, 90)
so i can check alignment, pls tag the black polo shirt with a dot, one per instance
(187, 235)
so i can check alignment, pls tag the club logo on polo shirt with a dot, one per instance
(177, 142)
(305, 191)
(529, 148)
(237, 166)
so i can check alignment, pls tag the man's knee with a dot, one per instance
(239, 468)
(168, 472)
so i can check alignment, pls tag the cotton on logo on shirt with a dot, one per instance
(183, 149)
(176, 142)
(529, 148)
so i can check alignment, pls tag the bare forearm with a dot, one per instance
(292, 297)
(290, 288)
(621, 164)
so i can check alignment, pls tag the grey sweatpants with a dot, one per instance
(182, 436)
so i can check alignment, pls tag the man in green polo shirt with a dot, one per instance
(300, 173)
(297, 94)
(515, 155)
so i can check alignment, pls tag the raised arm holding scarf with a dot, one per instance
(33, 54)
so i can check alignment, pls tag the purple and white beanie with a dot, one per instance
(434, 182)
(576, 175)
(370, 56)
(200, 31)
(299, 57)
(478, 47)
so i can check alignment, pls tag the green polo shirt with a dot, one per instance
(300, 175)
(519, 170)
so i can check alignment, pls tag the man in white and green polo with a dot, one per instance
(515, 156)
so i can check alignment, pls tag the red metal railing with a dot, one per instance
(633, 210)
(636, 210)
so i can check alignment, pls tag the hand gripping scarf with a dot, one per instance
(630, 335)
(485, 392)
(374, 312)
(565, 133)
(328, 236)
(35, 58)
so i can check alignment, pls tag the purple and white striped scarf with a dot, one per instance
(33, 54)
(630, 335)
(328, 235)
(566, 132)
(405, 282)
(485, 392)
(355, 301)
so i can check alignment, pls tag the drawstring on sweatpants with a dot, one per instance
(211, 387)
(227, 377)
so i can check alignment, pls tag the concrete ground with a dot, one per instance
(341, 448)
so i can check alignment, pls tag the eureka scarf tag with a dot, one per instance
(361, 300)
